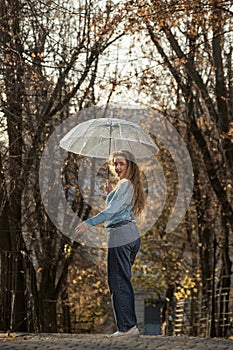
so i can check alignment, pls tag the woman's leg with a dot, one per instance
(120, 261)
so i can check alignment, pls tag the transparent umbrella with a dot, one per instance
(100, 137)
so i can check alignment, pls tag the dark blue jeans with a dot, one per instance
(120, 262)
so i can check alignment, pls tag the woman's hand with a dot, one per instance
(81, 228)
(107, 187)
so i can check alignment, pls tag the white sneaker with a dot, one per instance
(134, 331)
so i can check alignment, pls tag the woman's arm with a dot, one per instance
(122, 196)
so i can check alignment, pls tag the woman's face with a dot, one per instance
(120, 165)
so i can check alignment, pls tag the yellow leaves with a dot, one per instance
(188, 282)
(228, 134)
(98, 286)
(89, 294)
(37, 55)
(67, 250)
(231, 129)
(186, 287)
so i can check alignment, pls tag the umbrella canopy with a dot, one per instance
(101, 137)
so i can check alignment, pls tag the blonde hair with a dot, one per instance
(133, 174)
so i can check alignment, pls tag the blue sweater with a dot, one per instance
(118, 206)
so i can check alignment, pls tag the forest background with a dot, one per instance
(58, 57)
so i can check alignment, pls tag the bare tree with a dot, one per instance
(194, 41)
(49, 63)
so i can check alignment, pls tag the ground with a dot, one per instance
(50, 341)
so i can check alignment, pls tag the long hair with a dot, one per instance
(133, 174)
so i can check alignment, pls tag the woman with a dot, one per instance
(123, 204)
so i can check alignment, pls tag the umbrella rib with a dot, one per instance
(120, 132)
(131, 148)
(110, 138)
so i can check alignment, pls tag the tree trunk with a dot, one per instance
(224, 286)
(14, 91)
(48, 300)
(205, 238)
(66, 310)
(222, 97)
(168, 313)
